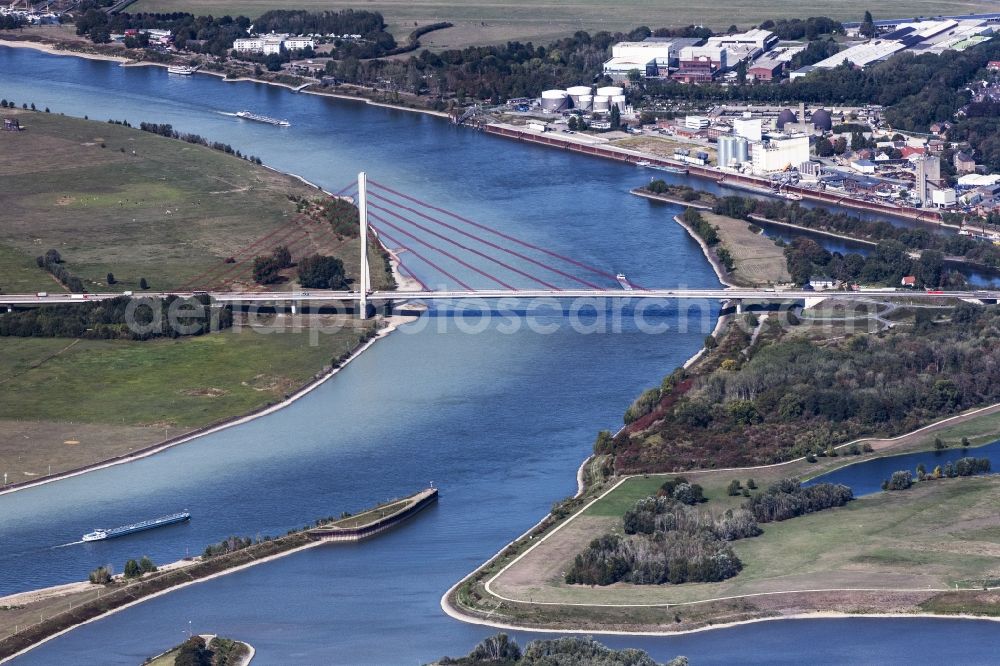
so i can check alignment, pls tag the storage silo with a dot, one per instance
(611, 91)
(576, 92)
(727, 150)
(620, 101)
(742, 153)
(602, 103)
(584, 102)
(555, 100)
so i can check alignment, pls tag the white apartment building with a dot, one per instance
(268, 44)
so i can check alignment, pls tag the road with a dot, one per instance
(321, 296)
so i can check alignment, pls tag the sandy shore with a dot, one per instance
(54, 50)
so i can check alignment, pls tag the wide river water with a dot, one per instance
(498, 421)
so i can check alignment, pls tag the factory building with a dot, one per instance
(780, 153)
(748, 128)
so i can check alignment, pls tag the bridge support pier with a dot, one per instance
(295, 308)
(739, 306)
(813, 301)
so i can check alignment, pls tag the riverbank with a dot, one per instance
(720, 270)
(123, 594)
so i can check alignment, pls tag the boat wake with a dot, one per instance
(64, 545)
(226, 113)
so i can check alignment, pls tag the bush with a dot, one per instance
(320, 272)
(101, 575)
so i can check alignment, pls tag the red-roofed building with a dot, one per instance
(909, 281)
(907, 151)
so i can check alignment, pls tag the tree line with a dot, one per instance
(788, 499)
(503, 650)
(167, 130)
(122, 318)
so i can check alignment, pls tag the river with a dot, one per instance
(499, 422)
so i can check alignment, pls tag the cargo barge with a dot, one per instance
(132, 528)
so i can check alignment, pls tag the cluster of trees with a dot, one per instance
(792, 397)
(167, 130)
(493, 73)
(136, 569)
(900, 480)
(888, 263)
(320, 272)
(821, 49)
(119, 318)
(267, 268)
(966, 466)
(11, 22)
(502, 650)
(343, 217)
(52, 262)
(193, 652)
(662, 514)
(811, 28)
(678, 489)
(787, 499)
(667, 557)
(229, 545)
(683, 192)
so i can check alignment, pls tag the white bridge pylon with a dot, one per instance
(364, 278)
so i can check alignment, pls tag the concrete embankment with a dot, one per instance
(720, 177)
(120, 596)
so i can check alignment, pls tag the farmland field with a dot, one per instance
(492, 21)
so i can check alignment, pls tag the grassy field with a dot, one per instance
(117, 200)
(758, 261)
(64, 404)
(937, 535)
(489, 21)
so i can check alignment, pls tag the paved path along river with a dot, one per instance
(498, 421)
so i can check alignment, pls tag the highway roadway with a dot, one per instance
(321, 296)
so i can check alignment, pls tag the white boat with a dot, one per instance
(178, 69)
(623, 281)
(791, 196)
(644, 163)
(249, 115)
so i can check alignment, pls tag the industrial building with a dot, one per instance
(928, 176)
(780, 153)
(934, 36)
(748, 128)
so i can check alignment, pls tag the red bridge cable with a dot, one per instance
(423, 259)
(491, 244)
(457, 244)
(441, 251)
(494, 231)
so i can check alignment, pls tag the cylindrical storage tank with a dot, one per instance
(611, 91)
(555, 100)
(602, 103)
(576, 91)
(727, 150)
(742, 153)
(620, 101)
(585, 102)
